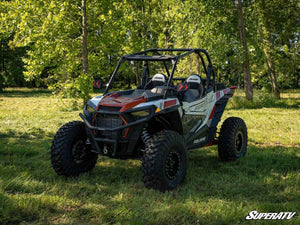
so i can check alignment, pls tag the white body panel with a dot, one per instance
(201, 107)
(158, 103)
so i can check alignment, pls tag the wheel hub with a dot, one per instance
(239, 140)
(172, 165)
(79, 151)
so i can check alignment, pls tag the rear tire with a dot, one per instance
(70, 155)
(233, 139)
(164, 161)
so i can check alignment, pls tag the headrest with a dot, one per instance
(193, 79)
(159, 77)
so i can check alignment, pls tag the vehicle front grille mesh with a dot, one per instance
(108, 121)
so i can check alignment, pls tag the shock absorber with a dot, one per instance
(145, 136)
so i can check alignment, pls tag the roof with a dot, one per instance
(150, 57)
(157, 56)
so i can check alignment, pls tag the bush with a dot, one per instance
(76, 88)
(260, 100)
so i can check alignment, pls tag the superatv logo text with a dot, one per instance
(254, 215)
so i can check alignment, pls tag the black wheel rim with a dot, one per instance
(172, 165)
(79, 152)
(239, 141)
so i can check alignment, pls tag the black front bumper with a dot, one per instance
(117, 141)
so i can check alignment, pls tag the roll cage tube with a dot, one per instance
(113, 75)
(142, 56)
(145, 74)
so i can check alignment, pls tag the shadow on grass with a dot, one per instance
(23, 208)
(35, 133)
(34, 92)
(10, 213)
(262, 176)
(25, 93)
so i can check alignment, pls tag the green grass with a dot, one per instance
(266, 180)
(265, 100)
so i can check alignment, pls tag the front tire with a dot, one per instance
(164, 161)
(233, 139)
(70, 155)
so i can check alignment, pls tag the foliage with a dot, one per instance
(52, 30)
(51, 33)
(11, 64)
(266, 180)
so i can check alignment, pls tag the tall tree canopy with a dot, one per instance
(66, 44)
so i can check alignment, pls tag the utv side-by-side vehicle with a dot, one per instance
(158, 122)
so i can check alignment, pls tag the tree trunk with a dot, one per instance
(246, 67)
(268, 49)
(84, 39)
(271, 69)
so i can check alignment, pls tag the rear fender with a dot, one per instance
(222, 98)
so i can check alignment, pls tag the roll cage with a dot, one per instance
(143, 56)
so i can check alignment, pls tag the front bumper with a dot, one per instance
(120, 145)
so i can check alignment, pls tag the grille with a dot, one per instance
(108, 121)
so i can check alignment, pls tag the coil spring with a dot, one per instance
(145, 136)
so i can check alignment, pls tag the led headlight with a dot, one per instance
(88, 110)
(141, 113)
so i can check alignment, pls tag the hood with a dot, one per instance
(125, 103)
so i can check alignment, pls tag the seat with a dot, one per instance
(195, 88)
(158, 79)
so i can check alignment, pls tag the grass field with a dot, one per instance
(266, 180)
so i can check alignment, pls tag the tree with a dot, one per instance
(68, 43)
(246, 67)
(84, 38)
(278, 30)
(59, 42)
(265, 30)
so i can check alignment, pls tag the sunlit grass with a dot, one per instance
(266, 180)
(264, 100)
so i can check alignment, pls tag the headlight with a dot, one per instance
(141, 113)
(88, 110)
